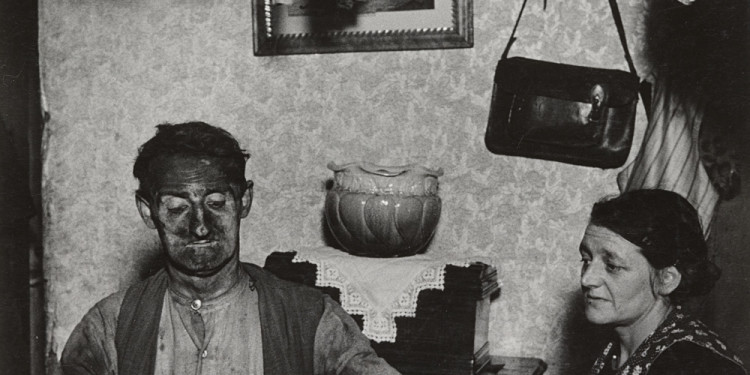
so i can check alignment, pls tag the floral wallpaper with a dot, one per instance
(113, 70)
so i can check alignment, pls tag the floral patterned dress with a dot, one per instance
(686, 344)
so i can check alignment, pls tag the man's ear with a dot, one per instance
(669, 280)
(247, 199)
(144, 208)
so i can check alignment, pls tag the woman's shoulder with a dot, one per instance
(689, 358)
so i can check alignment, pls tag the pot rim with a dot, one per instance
(386, 170)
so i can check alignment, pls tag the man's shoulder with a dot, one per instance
(102, 317)
(112, 302)
(109, 306)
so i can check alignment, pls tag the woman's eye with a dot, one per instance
(585, 264)
(612, 267)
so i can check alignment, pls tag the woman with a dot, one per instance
(643, 253)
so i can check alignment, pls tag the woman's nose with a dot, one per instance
(198, 225)
(590, 276)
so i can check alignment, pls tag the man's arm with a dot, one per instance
(90, 349)
(342, 349)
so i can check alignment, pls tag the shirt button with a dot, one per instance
(204, 354)
(196, 304)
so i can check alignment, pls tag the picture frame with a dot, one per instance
(286, 27)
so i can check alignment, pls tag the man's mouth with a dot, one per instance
(201, 243)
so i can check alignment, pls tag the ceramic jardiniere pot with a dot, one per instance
(383, 211)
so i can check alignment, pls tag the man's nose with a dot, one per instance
(198, 225)
(591, 276)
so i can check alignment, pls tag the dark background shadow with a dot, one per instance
(581, 341)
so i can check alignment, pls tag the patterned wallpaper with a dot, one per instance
(112, 70)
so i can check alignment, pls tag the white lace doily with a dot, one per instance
(378, 289)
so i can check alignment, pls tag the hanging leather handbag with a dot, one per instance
(566, 113)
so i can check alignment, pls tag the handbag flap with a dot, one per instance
(519, 75)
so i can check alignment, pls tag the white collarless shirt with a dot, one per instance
(219, 336)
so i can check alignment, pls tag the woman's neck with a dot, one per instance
(633, 335)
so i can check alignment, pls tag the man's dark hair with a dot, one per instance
(190, 139)
(667, 229)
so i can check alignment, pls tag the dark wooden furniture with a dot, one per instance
(501, 365)
(448, 335)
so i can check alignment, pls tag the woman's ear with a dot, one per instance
(669, 280)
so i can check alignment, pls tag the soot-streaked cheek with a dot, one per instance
(179, 226)
(218, 222)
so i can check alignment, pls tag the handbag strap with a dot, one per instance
(618, 23)
(644, 87)
(513, 33)
(621, 32)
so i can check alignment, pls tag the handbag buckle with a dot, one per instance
(598, 97)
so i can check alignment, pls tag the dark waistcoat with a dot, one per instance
(289, 317)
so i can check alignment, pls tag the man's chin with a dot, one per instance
(202, 272)
(196, 269)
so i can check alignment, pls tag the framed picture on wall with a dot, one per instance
(285, 27)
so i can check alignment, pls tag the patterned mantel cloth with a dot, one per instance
(379, 289)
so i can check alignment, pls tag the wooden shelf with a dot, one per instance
(448, 334)
(502, 365)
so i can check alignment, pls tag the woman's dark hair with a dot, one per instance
(667, 229)
(190, 139)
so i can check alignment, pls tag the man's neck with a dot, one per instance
(204, 288)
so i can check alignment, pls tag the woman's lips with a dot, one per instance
(590, 298)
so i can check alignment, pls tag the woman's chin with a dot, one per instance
(596, 317)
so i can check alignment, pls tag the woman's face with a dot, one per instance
(616, 279)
